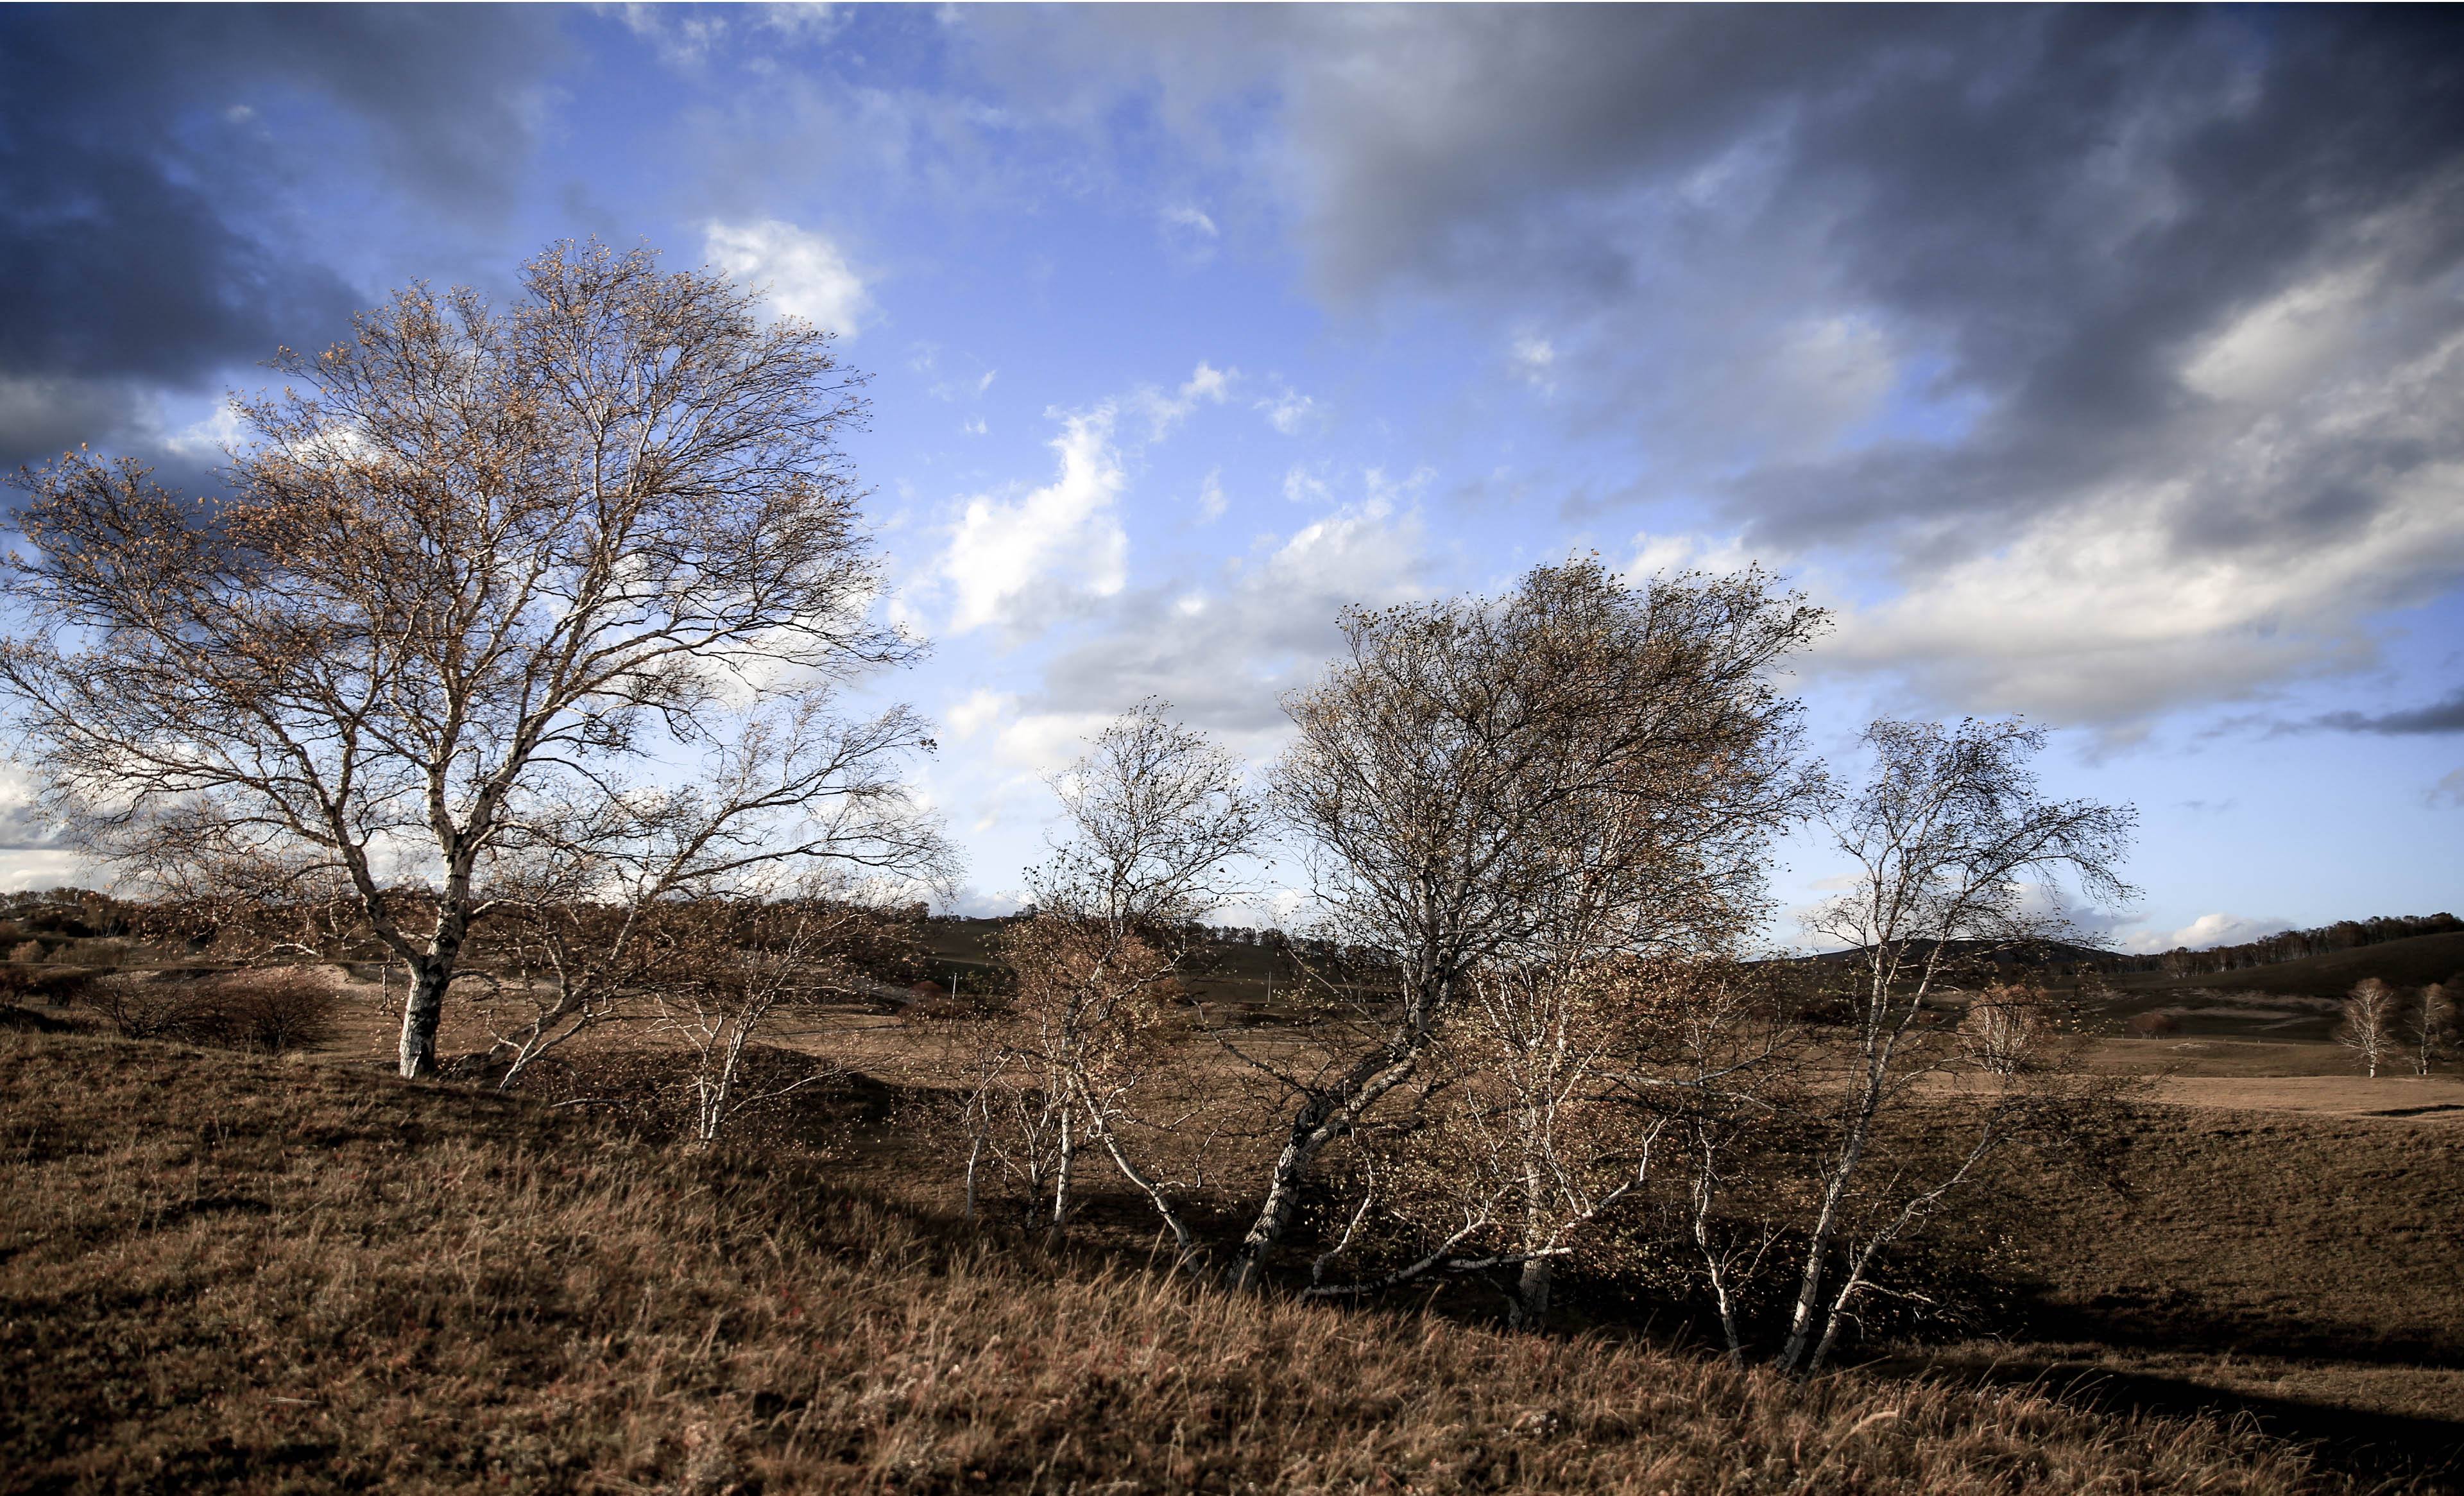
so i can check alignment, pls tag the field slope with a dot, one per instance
(232, 1273)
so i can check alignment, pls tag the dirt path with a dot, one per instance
(2436, 1099)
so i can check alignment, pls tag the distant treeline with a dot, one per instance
(2290, 945)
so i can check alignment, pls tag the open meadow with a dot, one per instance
(292, 1270)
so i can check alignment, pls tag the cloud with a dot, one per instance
(146, 200)
(1222, 652)
(1206, 385)
(2441, 717)
(1009, 558)
(1191, 220)
(2134, 317)
(801, 270)
(2202, 932)
(1020, 560)
(1531, 356)
(1289, 411)
(2449, 791)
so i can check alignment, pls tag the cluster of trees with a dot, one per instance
(1550, 814)
(2386, 1025)
(515, 658)
(2288, 945)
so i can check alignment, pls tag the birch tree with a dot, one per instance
(2369, 1024)
(482, 571)
(1954, 855)
(1158, 822)
(1464, 767)
(2427, 1025)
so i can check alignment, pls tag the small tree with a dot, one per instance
(1955, 856)
(733, 965)
(1157, 820)
(478, 567)
(2430, 1020)
(2370, 1023)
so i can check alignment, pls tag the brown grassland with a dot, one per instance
(223, 1271)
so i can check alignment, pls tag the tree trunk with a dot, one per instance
(1532, 1289)
(1061, 1201)
(421, 1010)
(1323, 1119)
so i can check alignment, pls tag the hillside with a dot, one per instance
(2409, 963)
(223, 1273)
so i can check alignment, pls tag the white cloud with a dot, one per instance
(208, 439)
(1188, 219)
(1223, 653)
(1062, 537)
(1533, 357)
(1206, 385)
(2449, 791)
(1210, 497)
(2217, 929)
(2279, 346)
(980, 708)
(802, 271)
(1189, 233)
(1289, 412)
(2099, 613)
(1654, 554)
(1301, 486)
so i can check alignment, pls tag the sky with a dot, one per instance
(2099, 364)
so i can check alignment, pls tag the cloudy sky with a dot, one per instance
(2097, 364)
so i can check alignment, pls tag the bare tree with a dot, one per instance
(1471, 776)
(734, 964)
(478, 567)
(2368, 1026)
(2430, 1020)
(2012, 1029)
(1550, 1103)
(1955, 856)
(1158, 819)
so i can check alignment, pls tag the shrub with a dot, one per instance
(272, 1011)
(2154, 1023)
(49, 985)
(267, 1010)
(149, 1006)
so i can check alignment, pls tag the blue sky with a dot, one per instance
(2102, 366)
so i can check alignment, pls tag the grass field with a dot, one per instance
(222, 1272)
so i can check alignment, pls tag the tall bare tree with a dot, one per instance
(2368, 1025)
(1955, 856)
(2429, 1024)
(1469, 776)
(481, 572)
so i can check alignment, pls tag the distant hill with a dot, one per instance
(2403, 964)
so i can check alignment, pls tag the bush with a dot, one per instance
(272, 1011)
(53, 986)
(2154, 1023)
(268, 1011)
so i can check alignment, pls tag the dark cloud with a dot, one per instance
(2444, 717)
(147, 156)
(2040, 212)
(2164, 308)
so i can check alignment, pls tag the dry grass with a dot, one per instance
(225, 1272)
